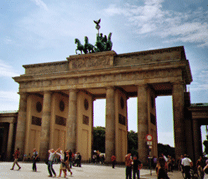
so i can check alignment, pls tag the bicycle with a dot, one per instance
(193, 174)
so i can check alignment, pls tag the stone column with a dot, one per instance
(45, 127)
(110, 124)
(142, 104)
(21, 124)
(197, 140)
(178, 111)
(72, 121)
(10, 139)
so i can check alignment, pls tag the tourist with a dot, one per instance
(62, 165)
(16, 157)
(161, 169)
(79, 158)
(66, 160)
(170, 163)
(200, 166)
(29, 157)
(154, 161)
(70, 158)
(205, 169)
(75, 159)
(128, 163)
(187, 164)
(35, 158)
(50, 162)
(137, 165)
(113, 160)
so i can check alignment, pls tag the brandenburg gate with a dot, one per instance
(56, 100)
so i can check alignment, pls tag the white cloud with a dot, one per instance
(41, 4)
(152, 19)
(6, 70)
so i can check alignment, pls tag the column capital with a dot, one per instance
(110, 87)
(47, 92)
(142, 85)
(73, 90)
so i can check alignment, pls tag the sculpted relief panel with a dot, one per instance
(88, 63)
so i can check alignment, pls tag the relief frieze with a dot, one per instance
(102, 79)
(88, 63)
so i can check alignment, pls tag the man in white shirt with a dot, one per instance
(187, 164)
(50, 162)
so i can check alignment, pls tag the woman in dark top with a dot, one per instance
(161, 169)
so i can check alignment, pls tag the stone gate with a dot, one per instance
(56, 100)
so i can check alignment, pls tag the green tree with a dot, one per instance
(132, 142)
(166, 150)
(99, 142)
(99, 138)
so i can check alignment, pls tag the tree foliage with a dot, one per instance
(166, 150)
(132, 142)
(99, 142)
(99, 139)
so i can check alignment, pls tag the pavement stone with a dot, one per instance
(87, 171)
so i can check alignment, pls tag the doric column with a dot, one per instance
(178, 111)
(197, 139)
(21, 123)
(72, 121)
(110, 124)
(142, 98)
(10, 139)
(45, 127)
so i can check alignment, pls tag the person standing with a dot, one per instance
(79, 158)
(137, 165)
(113, 160)
(161, 169)
(66, 160)
(50, 162)
(187, 164)
(63, 164)
(200, 166)
(16, 157)
(128, 163)
(35, 157)
(70, 158)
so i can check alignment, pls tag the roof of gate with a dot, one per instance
(126, 70)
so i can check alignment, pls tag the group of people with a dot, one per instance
(201, 166)
(98, 157)
(67, 160)
(132, 163)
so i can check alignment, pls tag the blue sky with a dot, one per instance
(39, 31)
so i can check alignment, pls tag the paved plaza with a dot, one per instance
(85, 172)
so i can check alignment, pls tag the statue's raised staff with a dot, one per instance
(102, 42)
